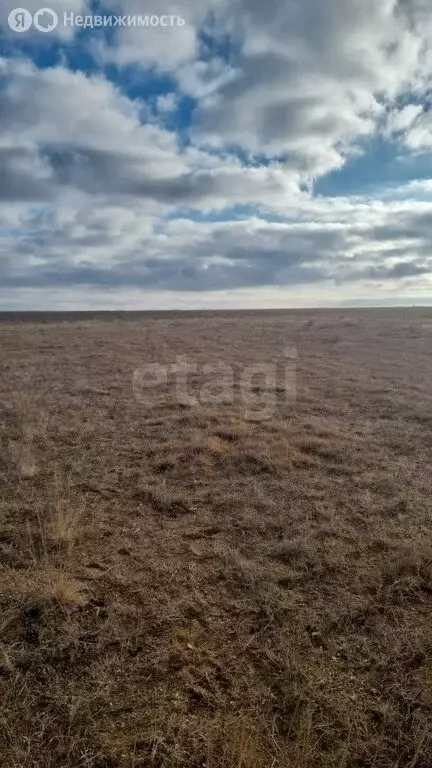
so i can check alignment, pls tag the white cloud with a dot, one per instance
(83, 133)
(98, 193)
(419, 136)
(311, 79)
(95, 243)
(400, 120)
(166, 46)
(167, 103)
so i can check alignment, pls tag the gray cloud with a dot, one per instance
(184, 255)
(24, 175)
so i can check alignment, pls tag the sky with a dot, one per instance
(232, 154)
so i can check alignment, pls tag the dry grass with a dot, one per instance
(187, 587)
(67, 513)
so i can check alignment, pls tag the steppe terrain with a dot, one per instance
(189, 585)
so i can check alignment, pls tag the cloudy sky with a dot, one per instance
(261, 154)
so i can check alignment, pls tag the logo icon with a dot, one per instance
(45, 20)
(20, 20)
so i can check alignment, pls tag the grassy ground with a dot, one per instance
(185, 586)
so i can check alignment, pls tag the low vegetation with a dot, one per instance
(187, 586)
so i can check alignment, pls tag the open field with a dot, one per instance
(190, 586)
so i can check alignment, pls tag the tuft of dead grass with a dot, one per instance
(67, 513)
